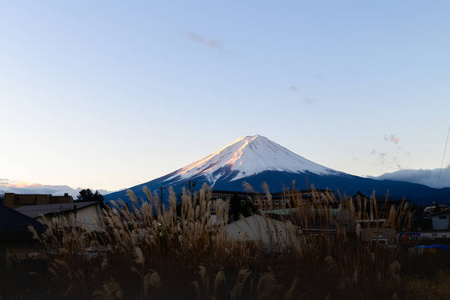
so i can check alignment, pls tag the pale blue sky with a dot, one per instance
(109, 94)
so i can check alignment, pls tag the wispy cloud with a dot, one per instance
(382, 157)
(203, 40)
(391, 158)
(392, 138)
(308, 100)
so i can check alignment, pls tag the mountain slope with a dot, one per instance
(245, 157)
(256, 159)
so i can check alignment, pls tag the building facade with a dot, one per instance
(13, 200)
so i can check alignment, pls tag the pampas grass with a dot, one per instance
(321, 249)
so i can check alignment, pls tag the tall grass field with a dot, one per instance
(323, 247)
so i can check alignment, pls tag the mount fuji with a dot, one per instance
(256, 159)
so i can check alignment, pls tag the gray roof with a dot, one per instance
(14, 225)
(34, 211)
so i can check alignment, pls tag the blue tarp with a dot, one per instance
(437, 246)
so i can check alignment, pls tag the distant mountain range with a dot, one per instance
(256, 159)
(34, 188)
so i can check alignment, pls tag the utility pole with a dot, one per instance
(442, 164)
(161, 188)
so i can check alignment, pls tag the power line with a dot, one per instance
(442, 163)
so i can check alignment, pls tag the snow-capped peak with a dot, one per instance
(248, 156)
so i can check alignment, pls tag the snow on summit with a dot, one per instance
(248, 156)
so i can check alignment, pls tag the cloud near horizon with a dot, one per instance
(428, 177)
(7, 186)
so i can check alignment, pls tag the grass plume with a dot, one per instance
(324, 248)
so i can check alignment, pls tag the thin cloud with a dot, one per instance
(382, 157)
(203, 40)
(391, 158)
(307, 100)
(392, 138)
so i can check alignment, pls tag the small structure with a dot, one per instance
(13, 200)
(87, 215)
(16, 240)
(440, 219)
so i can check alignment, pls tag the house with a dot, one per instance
(440, 219)
(13, 200)
(16, 240)
(270, 234)
(383, 203)
(87, 214)
(248, 201)
(375, 211)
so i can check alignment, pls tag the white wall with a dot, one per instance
(271, 233)
(88, 218)
(439, 223)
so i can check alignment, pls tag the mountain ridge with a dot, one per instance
(256, 159)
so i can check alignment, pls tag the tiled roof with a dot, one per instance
(34, 211)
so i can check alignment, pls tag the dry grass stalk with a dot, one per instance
(315, 244)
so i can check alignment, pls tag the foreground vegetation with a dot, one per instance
(156, 252)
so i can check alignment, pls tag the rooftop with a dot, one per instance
(34, 211)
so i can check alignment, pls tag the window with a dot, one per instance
(256, 202)
(277, 202)
(242, 202)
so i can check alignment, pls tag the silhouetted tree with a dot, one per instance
(88, 195)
